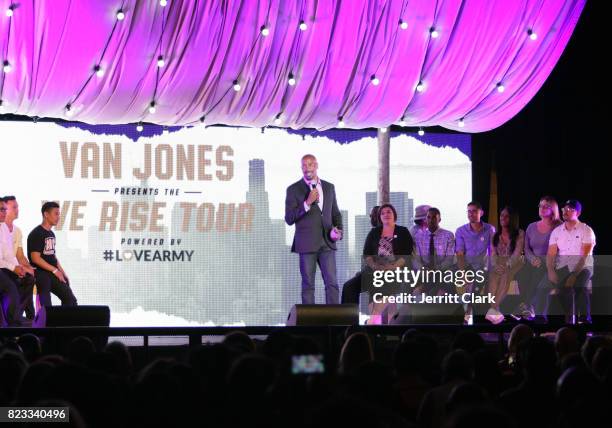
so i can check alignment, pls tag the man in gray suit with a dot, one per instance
(311, 205)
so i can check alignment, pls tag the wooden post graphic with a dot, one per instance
(383, 166)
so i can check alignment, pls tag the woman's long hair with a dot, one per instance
(513, 226)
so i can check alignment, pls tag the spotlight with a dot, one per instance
(433, 33)
(403, 24)
(303, 26)
(160, 61)
(461, 123)
(69, 111)
(236, 85)
(265, 31)
(384, 130)
(6, 66)
(9, 11)
(277, 119)
(500, 87)
(139, 127)
(403, 122)
(120, 15)
(163, 3)
(421, 132)
(420, 87)
(152, 108)
(532, 34)
(291, 80)
(375, 81)
(341, 122)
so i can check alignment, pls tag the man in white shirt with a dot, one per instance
(569, 261)
(20, 270)
(8, 289)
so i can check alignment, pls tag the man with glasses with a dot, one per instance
(569, 261)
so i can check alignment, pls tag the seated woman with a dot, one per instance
(537, 236)
(507, 260)
(387, 247)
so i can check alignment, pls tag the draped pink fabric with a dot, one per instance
(52, 48)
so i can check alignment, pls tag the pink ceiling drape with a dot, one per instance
(52, 48)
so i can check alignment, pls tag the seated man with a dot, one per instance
(435, 251)
(50, 276)
(9, 293)
(569, 263)
(16, 257)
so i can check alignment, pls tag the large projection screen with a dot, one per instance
(186, 227)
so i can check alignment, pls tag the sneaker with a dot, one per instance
(494, 316)
(527, 312)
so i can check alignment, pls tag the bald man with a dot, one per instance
(311, 205)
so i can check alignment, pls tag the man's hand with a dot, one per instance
(312, 197)
(570, 281)
(60, 275)
(19, 271)
(335, 234)
(28, 269)
(536, 262)
(553, 277)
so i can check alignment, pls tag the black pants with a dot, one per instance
(528, 278)
(576, 297)
(47, 283)
(352, 289)
(24, 286)
(10, 299)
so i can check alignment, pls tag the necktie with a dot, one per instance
(432, 251)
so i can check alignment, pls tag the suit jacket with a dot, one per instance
(312, 226)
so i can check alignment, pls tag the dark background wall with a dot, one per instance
(558, 144)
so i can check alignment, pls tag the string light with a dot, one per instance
(403, 24)
(6, 66)
(277, 119)
(9, 11)
(532, 34)
(461, 123)
(120, 15)
(265, 31)
(99, 71)
(152, 108)
(500, 87)
(69, 111)
(139, 127)
(375, 81)
(236, 85)
(403, 122)
(303, 25)
(291, 80)
(341, 122)
(433, 33)
(160, 61)
(421, 132)
(420, 87)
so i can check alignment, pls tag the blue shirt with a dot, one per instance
(475, 245)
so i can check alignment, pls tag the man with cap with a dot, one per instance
(569, 262)
(420, 215)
